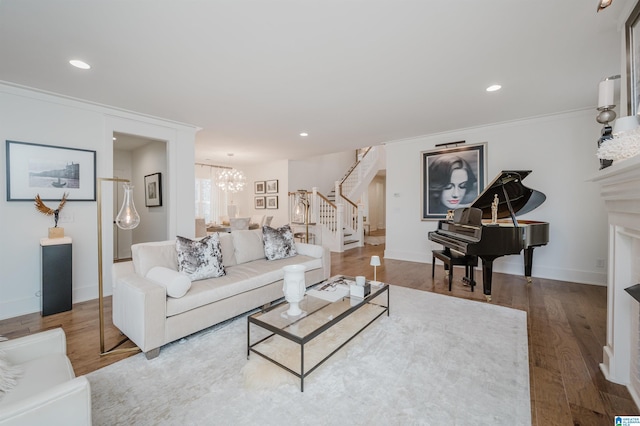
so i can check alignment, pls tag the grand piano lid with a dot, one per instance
(521, 198)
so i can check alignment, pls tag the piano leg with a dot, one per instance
(468, 278)
(528, 262)
(487, 272)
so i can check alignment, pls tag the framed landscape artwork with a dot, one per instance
(153, 190)
(259, 203)
(49, 171)
(451, 178)
(258, 187)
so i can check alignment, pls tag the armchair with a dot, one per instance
(47, 391)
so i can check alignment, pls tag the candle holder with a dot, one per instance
(606, 91)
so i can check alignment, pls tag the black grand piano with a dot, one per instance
(471, 232)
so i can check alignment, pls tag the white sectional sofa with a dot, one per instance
(144, 312)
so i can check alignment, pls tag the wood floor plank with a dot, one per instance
(578, 382)
(550, 402)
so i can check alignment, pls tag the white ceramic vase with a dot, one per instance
(294, 288)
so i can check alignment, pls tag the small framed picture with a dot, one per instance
(272, 202)
(258, 202)
(258, 187)
(272, 186)
(153, 190)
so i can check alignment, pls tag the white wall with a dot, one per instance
(276, 170)
(376, 199)
(149, 159)
(320, 171)
(559, 149)
(32, 116)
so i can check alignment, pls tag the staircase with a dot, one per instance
(349, 240)
(337, 218)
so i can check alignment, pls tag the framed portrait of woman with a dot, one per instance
(452, 178)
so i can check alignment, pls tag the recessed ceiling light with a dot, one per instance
(304, 134)
(80, 64)
(493, 88)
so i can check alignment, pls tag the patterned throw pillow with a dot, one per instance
(278, 243)
(200, 259)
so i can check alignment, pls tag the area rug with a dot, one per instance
(435, 360)
(374, 241)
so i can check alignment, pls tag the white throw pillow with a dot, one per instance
(248, 245)
(176, 283)
(9, 375)
(278, 243)
(200, 259)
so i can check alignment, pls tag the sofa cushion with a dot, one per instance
(200, 259)
(239, 279)
(278, 243)
(228, 252)
(147, 255)
(247, 245)
(176, 283)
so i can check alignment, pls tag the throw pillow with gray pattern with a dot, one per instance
(278, 243)
(200, 259)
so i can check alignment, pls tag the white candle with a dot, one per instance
(605, 93)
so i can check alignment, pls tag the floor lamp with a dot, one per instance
(127, 218)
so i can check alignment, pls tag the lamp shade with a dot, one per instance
(375, 261)
(128, 217)
(624, 124)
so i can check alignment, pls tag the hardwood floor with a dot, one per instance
(566, 327)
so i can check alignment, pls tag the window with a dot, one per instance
(211, 202)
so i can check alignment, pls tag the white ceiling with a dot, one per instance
(255, 73)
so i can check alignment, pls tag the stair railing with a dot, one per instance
(326, 215)
(333, 219)
(350, 183)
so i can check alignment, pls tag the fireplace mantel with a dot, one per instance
(620, 189)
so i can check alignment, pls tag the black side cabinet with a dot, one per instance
(56, 275)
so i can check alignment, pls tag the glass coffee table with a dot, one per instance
(331, 318)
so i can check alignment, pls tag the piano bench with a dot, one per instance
(450, 260)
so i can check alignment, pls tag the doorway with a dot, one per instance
(135, 157)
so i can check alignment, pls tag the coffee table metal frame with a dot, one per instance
(302, 340)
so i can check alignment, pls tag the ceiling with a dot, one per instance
(253, 74)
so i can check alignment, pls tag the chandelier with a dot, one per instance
(231, 180)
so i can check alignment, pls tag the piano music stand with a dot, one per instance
(450, 260)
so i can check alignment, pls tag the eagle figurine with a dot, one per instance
(603, 4)
(42, 208)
